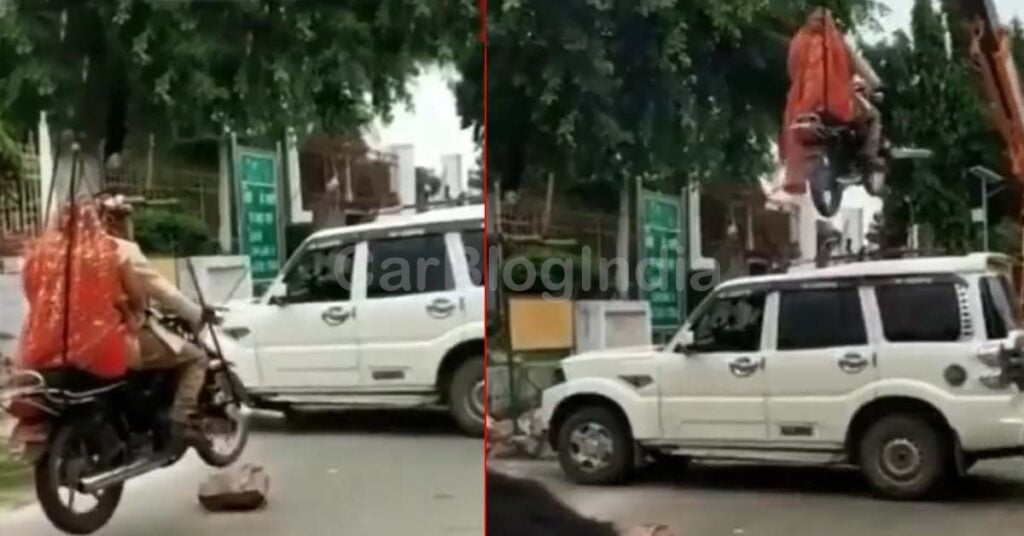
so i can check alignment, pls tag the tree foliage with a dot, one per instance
(933, 100)
(192, 68)
(665, 89)
(165, 232)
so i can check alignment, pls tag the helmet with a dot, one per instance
(114, 205)
(116, 212)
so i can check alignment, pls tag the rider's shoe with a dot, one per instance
(185, 432)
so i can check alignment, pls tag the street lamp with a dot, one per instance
(986, 176)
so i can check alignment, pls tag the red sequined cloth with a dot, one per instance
(96, 331)
(821, 77)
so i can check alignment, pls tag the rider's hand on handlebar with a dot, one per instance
(210, 316)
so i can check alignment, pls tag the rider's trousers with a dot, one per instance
(191, 363)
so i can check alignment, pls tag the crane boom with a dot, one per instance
(991, 53)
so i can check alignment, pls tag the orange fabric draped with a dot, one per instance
(97, 333)
(821, 81)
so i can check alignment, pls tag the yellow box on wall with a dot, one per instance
(539, 324)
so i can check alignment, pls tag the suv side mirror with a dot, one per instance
(1015, 339)
(278, 300)
(685, 342)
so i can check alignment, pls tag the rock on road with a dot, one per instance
(746, 500)
(367, 473)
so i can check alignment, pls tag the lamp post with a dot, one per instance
(987, 176)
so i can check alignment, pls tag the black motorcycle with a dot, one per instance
(87, 436)
(834, 160)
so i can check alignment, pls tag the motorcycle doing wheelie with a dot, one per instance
(86, 436)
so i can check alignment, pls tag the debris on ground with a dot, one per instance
(238, 489)
(507, 440)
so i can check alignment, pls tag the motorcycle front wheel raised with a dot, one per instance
(224, 437)
(826, 191)
(65, 462)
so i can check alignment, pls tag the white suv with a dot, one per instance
(909, 369)
(384, 314)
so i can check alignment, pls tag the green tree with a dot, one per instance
(189, 69)
(920, 68)
(670, 90)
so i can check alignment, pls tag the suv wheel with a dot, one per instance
(466, 396)
(594, 447)
(905, 457)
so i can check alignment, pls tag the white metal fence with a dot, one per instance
(21, 203)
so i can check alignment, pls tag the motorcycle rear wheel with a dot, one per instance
(48, 476)
(826, 191)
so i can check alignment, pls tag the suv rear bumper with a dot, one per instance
(989, 423)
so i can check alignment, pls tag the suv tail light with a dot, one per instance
(991, 354)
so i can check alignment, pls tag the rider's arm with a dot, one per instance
(862, 67)
(133, 289)
(163, 291)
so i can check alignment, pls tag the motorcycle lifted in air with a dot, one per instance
(833, 161)
(86, 436)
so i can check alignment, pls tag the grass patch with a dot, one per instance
(15, 481)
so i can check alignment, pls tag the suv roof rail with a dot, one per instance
(863, 256)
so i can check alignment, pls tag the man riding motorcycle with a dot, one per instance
(830, 79)
(159, 347)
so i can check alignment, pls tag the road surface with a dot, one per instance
(367, 474)
(731, 500)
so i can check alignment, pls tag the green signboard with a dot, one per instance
(660, 258)
(259, 229)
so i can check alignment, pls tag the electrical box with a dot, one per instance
(537, 324)
(612, 324)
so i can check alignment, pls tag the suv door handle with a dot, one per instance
(852, 363)
(745, 366)
(440, 308)
(337, 315)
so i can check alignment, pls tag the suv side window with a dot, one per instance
(731, 323)
(322, 274)
(820, 318)
(920, 312)
(408, 265)
(473, 244)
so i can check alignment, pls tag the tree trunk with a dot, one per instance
(622, 243)
(98, 121)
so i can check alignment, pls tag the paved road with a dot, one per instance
(729, 500)
(372, 474)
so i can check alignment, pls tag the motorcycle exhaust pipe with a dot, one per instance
(95, 483)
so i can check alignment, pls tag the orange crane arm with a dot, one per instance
(992, 55)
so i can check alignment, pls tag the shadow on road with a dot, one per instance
(384, 422)
(973, 488)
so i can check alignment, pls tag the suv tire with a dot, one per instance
(905, 457)
(596, 436)
(465, 396)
